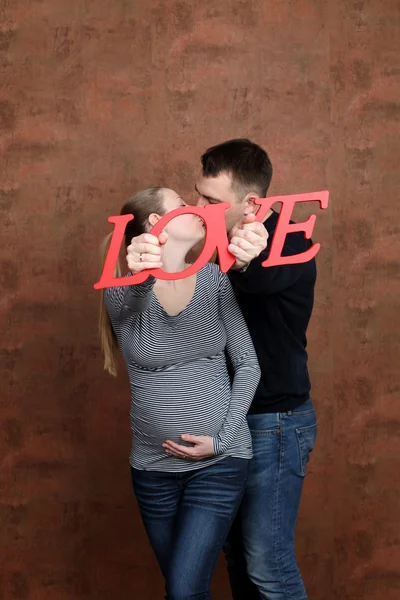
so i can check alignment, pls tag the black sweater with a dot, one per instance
(277, 303)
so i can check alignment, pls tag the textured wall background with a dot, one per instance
(99, 99)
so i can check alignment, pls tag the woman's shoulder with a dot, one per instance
(213, 276)
(212, 270)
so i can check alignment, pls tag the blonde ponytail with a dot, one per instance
(108, 338)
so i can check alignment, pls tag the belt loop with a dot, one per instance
(289, 413)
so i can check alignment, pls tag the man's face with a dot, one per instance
(213, 190)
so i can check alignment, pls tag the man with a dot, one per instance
(277, 303)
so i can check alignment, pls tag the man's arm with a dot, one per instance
(268, 280)
(249, 275)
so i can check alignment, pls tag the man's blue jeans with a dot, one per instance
(187, 517)
(260, 548)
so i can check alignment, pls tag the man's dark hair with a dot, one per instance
(246, 162)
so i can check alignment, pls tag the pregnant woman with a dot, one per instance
(173, 336)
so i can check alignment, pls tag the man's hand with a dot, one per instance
(202, 447)
(247, 240)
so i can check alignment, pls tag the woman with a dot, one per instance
(173, 336)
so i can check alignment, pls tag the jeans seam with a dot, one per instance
(300, 444)
(278, 495)
(287, 592)
(262, 432)
(233, 515)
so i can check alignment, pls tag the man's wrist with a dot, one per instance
(243, 269)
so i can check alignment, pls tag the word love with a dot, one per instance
(216, 238)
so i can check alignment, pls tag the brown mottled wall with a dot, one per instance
(99, 99)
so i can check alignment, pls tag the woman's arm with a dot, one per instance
(122, 302)
(144, 252)
(246, 378)
(243, 357)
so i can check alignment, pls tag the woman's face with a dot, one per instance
(185, 228)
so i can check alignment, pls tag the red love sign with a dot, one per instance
(217, 239)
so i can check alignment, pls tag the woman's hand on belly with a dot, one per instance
(203, 447)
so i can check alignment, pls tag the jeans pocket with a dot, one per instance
(305, 439)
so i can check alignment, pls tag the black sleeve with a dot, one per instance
(271, 280)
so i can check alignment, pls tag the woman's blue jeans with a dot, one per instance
(187, 517)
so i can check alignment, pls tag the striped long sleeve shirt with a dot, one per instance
(178, 373)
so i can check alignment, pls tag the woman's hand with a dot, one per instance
(145, 252)
(203, 447)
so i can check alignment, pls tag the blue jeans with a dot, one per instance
(260, 549)
(187, 517)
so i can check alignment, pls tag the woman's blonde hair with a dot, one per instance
(141, 205)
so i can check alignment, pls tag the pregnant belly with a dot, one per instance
(168, 410)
